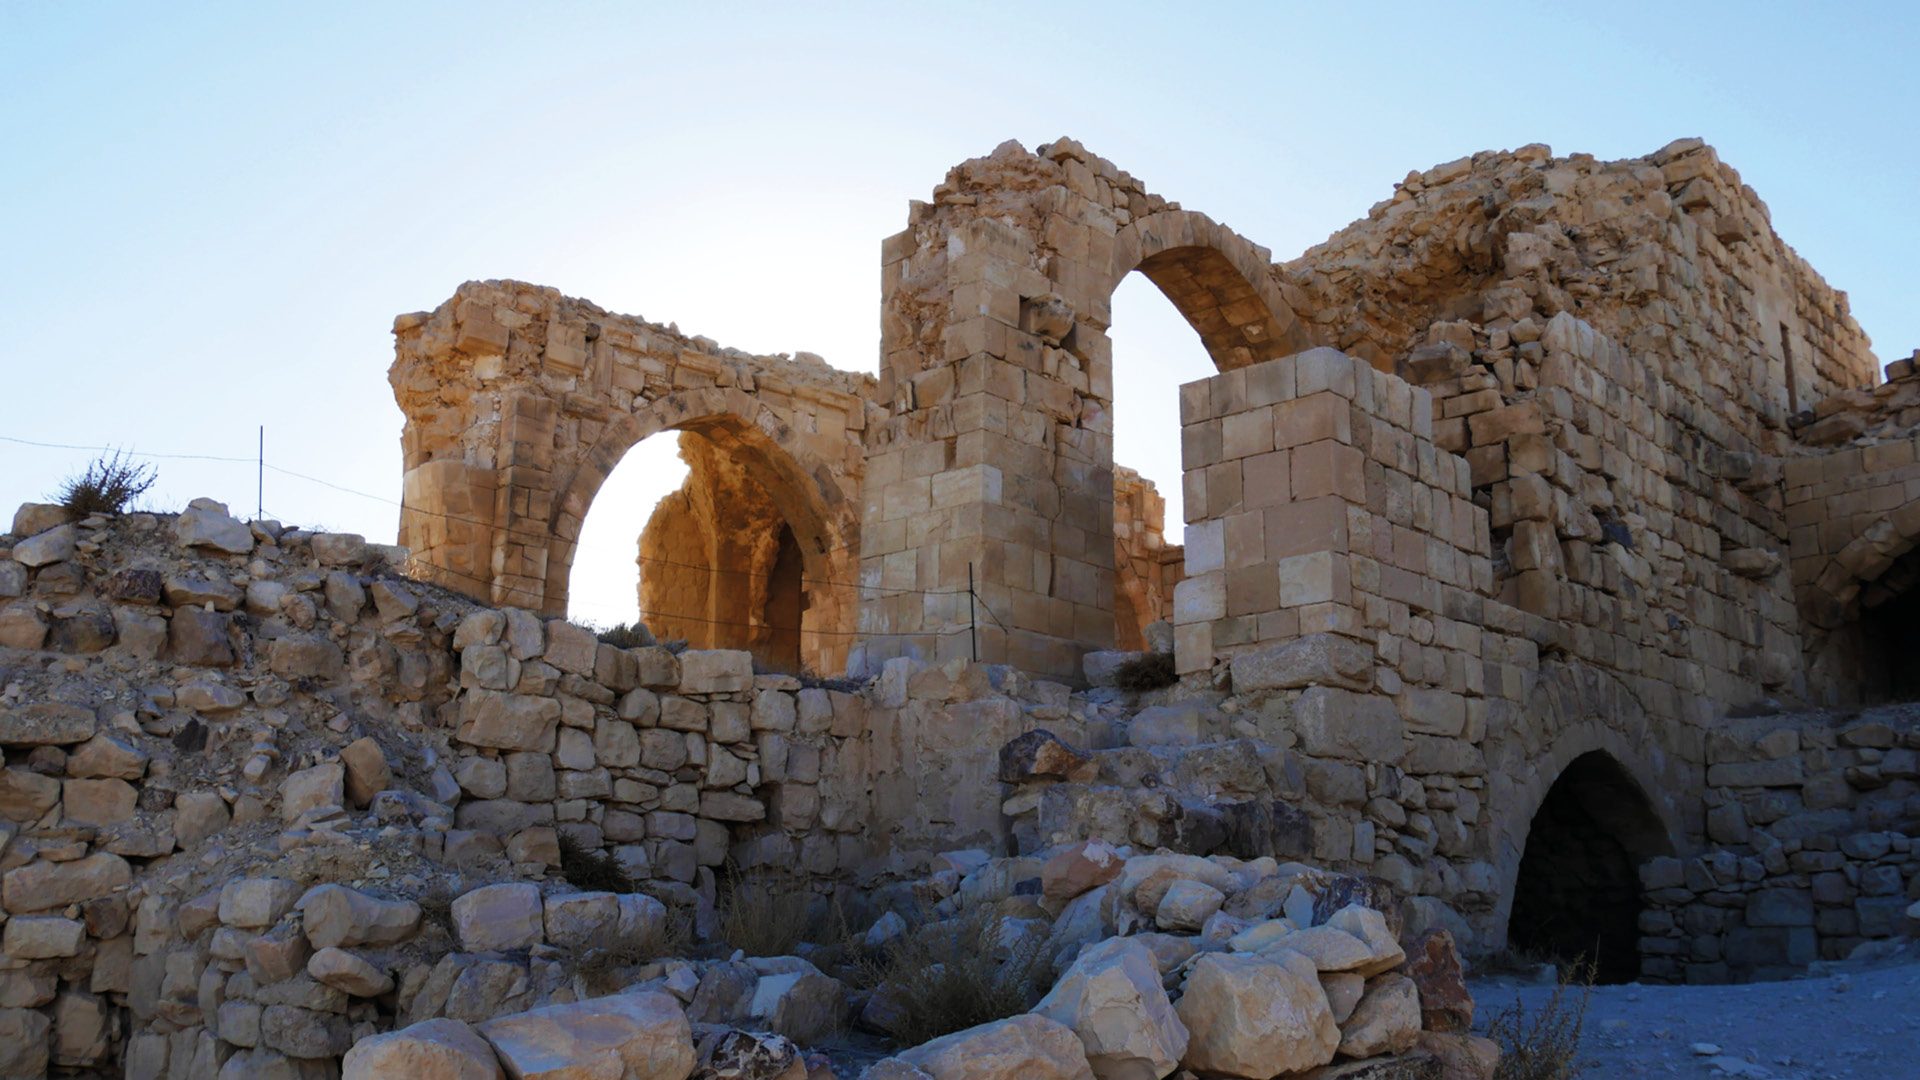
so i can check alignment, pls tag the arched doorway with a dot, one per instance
(750, 553)
(1577, 894)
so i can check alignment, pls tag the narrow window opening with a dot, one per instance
(1793, 380)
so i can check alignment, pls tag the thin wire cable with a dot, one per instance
(518, 533)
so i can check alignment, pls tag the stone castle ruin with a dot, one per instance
(1545, 572)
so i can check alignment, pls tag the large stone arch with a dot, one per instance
(755, 432)
(1576, 710)
(997, 366)
(1220, 281)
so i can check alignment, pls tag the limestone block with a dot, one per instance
(499, 917)
(644, 1036)
(1371, 928)
(310, 788)
(438, 1049)
(1434, 966)
(46, 723)
(49, 547)
(1309, 660)
(348, 973)
(1025, 1047)
(207, 524)
(105, 756)
(1187, 905)
(1387, 1020)
(367, 771)
(715, 671)
(1166, 725)
(256, 902)
(1077, 868)
(1112, 998)
(571, 648)
(26, 795)
(199, 638)
(508, 721)
(335, 916)
(1251, 1016)
(24, 1049)
(1338, 723)
(43, 937)
(304, 1033)
(97, 802)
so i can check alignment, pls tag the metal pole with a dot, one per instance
(973, 631)
(260, 479)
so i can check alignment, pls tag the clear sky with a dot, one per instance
(210, 213)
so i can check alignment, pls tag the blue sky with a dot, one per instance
(210, 213)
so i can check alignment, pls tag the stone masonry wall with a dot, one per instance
(1810, 818)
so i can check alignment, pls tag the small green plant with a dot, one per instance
(592, 871)
(1544, 1045)
(1149, 671)
(108, 486)
(632, 635)
(952, 975)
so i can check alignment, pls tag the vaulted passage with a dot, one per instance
(1577, 896)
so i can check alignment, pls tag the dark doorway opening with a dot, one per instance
(1577, 896)
(1889, 632)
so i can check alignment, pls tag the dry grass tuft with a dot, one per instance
(953, 975)
(1151, 671)
(761, 917)
(1545, 1044)
(592, 871)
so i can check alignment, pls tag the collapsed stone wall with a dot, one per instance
(1811, 820)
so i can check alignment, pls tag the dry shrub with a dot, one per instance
(1148, 671)
(760, 917)
(953, 975)
(436, 903)
(626, 635)
(592, 871)
(108, 486)
(1544, 1045)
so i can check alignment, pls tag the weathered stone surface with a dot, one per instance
(52, 546)
(1340, 724)
(26, 795)
(105, 756)
(1187, 905)
(1371, 928)
(255, 902)
(1113, 1000)
(336, 916)
(207, 524)
(438, 1049)
(1309, 660)
(715, 671)
(43, 937)
(1434, 966)
(498, 917)
(304, 1033)
(40, 886)
(1387, 1020)
(1077, 868)
(635, 1036)
(367, 771)
(508, 721)
(1025, 1047)
(24, 1049)
(97, 802)
(320, 785)
(1256, 1017)
(348, 973)
(1461, 1056)
(1040, 753)
(46, 723)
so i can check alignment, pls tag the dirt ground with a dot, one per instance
(1844, 1020)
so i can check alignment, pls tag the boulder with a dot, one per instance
(1166, 725)
(368, 773)
(207, 524)
(751, 1055)
(1076, 868)
(1371, 928)
(311, 788)
(257, 902)
(437, 1049)
(1343, 990)
(1387, 1020)
(32, 519)
(1256, 1016)
(104, 756)
(54, 545)
(1113, 1000)
(43, 937)
(1025, 1047)
(499, 917)
(26, 795)
(802, 1004)
(1042, 754)
(348, 973)
(24, 1042)
(1187, 905)
(636, 1036)
(1461, 1056)
(1434, 966)
(1330, 948)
